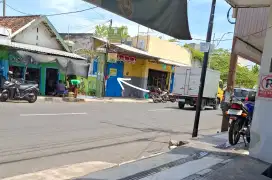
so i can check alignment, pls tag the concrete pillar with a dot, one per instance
(230, 83)
(261, 128)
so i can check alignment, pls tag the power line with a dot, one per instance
(56, 14)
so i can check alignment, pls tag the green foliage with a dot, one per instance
(172, 40)
(196, 55)
(245, 77)
(103, 31)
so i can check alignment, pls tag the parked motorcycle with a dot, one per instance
(15, 90)
(159, 96)
(240, 117)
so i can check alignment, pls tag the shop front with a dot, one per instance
(46, 75)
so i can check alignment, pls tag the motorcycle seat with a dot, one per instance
(25, 86)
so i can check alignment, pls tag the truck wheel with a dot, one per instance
(181, 105)
(216, 106)
(202, 105)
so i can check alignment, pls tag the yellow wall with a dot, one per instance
(135, 70)
(164, 49)
(141, 67)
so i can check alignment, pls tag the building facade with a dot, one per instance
(33, 34)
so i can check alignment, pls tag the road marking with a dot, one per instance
(154, 110)
(56, 114)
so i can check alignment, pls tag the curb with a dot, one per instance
(71, 99)
(59, 99)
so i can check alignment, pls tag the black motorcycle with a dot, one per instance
(240, 116)
(15, 90)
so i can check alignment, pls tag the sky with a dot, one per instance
(198, 12)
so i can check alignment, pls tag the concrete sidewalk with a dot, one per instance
(81, 98)
(204, 158)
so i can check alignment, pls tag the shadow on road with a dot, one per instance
(188, 108)
(149, 129)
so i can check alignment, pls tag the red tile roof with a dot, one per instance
(16, 22)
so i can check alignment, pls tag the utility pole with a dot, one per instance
(4, 8)
(203, 71)
(106, 59)
(138, 36)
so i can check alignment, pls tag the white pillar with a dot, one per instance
(261, 129)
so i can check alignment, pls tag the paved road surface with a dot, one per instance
(40, 136)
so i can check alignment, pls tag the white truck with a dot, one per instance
(186, 87)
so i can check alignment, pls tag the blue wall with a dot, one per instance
(4, 67)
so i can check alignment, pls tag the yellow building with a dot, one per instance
(146, 70)
(169, 51)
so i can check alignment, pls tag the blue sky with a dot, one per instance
(199, 11)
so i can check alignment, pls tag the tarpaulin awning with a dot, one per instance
(166, 16)
(66, 65)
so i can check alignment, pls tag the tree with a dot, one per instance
(196, 54)
(172, 40)
(103, 31)
(245, 77)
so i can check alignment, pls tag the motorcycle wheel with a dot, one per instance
(248, 136)
(33, 99)
(3, 97)
(234, 132)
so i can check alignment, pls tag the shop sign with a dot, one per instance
(113, 72)
(164, 66)
(127, 58)
(265, 86)
(112, 57)
(101, 50)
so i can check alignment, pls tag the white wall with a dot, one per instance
(261, 129)
(38, 35)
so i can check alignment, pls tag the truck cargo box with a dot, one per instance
(187, 82)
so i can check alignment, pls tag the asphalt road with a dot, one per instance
(40, 136)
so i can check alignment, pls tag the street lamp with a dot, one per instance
(222, 38)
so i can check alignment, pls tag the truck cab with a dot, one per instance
(220, 92)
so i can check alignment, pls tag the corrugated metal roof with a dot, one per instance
(40, 49)
(134, 50)
(171, 62)
(141, 52)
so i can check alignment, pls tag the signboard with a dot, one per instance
(113, 72)
(164, 66)
(126, 58)
(204, 47)
(101, 50)
(265, 86)
(112, 57)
